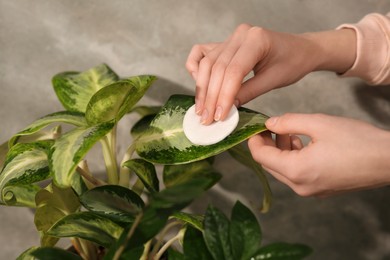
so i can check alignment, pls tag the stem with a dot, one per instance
(110, 160)
(138, 187)
(161, 237)
(145, 255)
(83, 170)
(125, 173)
(120, 250)
(167, 245)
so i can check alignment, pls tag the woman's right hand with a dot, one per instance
(276, 59)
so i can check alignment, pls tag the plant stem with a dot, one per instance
(110, 160)
(162, 235)
(145, 255)
(167, 245)
(120, 250)
(125, 173)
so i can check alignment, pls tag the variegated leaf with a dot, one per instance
(88, 226)
(20, 195)
(114, 101)
(72, 118)
(146, 172)
(165, 142)
(25, 164)
(71, 148)
(75, 89)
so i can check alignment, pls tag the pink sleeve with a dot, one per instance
(372, 62)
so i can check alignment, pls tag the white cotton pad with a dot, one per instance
(208, 134)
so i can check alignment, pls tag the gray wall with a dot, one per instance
(41, 38)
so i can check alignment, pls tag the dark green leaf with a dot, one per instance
(165, 142)
(112, 102)
(242, 155)
(75, 89)
(88, 226)
(146, 172)
(194, 220)
(282, 251)
(71, 148)
(156, 214)
(52, 253)
(244, 222)
(194, 246)
(177, 174)
(175, 255)
(141, 125)
(72, 118)
(216, 234)
(113, 201)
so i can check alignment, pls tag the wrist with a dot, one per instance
(333, 50)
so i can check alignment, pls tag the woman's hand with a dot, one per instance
(276, 59)
(344, 154)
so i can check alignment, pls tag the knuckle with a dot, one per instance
(243, 27)
(219, 66)
(207, 62)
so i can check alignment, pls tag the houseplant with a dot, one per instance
(130, 212)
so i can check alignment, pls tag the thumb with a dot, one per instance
(306, 124)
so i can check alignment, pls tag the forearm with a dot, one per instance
(333, 50)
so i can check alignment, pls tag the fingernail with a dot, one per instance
(204, 117)
(218, 113)
(237, 102)
(271, 121)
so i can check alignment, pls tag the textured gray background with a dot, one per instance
(41, 38)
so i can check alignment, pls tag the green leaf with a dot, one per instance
(88, 226)
(141, 125)
(244, 222)
(242, 155)
(146, 110)
(53, 203)
(53, 253)
(176, 174)
(165, 142)
(20, 195)
(115, 100)
(114, 202)
(72, 118)
(25, 164)
(71, 148)
(282, 251)
(26, 255)
(175, 255)
(194, 246)
(194, 220)
(75, 89)
(146, 172)
(155, 215)
(3, 153)
(216, 234)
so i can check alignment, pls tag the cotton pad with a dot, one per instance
(208, 134)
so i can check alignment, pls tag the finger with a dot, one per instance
(197, 53)
(244, 60)
(306, 124)
(283, 142)
(203, 77)
(257, 142)
(230, 48)
(296, 143)
(270, 156)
